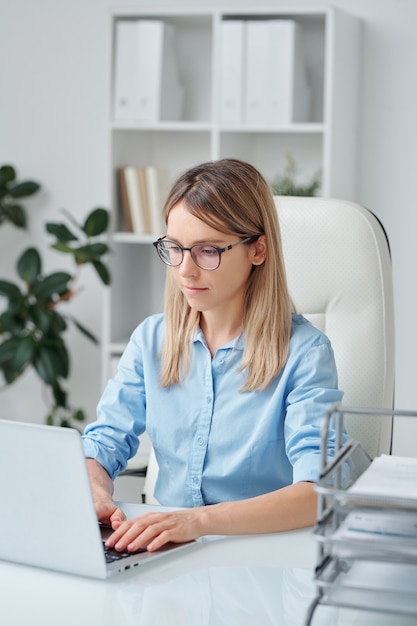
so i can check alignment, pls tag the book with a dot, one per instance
(124, 200)
(233, 49)
(147, 87)
(142, 193)
(157, 183)
(134, 199)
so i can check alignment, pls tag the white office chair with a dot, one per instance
(339, 273)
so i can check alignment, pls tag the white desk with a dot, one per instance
(263, 580)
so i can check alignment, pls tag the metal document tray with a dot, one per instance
(377, 575)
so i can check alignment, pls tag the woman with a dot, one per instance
(230, 383)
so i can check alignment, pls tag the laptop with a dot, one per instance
(47, 515)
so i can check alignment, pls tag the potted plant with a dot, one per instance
(32, 321)
(286, 185)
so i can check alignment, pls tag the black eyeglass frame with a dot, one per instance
(190, 250)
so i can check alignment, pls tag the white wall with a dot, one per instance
(53, 116)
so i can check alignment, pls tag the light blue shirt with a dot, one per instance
(213, 442)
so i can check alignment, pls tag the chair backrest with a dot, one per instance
(339, 273)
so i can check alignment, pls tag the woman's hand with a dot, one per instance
(107, 511)
(102, 489)
(291, 507)
(153, 530)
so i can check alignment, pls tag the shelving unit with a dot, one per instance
(377, 573)
(325, 141)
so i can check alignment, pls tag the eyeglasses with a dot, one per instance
(204, 255)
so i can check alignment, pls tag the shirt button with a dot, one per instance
(200, 441)
(195, 479)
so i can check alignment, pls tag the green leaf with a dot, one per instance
(57, 323)
(72, 219)
(16, 214)
(24, 352)
(7, 174)
(54, 284)
(44, 366)
(11, 322)
(11, 291)
(96, 223)
(60, 395)
(29, 265)
(63, 247)
(40, 318)
(90, 252)
(61, 349)
(60, 231)
(102, 271)
(50, 420)
(9, 373)
(7, 349)
(84, 330)
(79, 415)
(22, 190)
(50, 364)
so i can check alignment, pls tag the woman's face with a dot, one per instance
(221, 290)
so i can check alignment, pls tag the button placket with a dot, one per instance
(201, 436)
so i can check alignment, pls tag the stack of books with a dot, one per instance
(142, 193)
(263, 73)
(146, 83)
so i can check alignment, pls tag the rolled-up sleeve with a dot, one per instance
(313, 390)
(121, 414)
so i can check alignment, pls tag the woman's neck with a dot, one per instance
(219, 332)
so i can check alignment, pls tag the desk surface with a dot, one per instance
(263, 580)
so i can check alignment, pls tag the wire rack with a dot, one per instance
(377, 574)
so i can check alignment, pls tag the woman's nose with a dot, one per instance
(187, 267)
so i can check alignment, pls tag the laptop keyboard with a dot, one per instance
(114, 555)
(111, 554)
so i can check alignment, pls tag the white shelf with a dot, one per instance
(181, 126)
(324, 142)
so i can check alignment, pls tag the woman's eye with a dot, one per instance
(208, 251)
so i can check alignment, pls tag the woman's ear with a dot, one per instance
(259, 251)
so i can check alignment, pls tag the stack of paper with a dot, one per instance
(395, 527)
(388, 477)
(143, 192)
(146, 78)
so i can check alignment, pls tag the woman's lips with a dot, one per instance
(192, 291)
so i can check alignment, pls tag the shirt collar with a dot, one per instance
(237, 343)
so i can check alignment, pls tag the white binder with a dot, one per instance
(146, 80)
(125, 87)
(289, 93)
(233, 50)
(276, 85)
(257, 73)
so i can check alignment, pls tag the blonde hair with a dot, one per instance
(232, 196)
